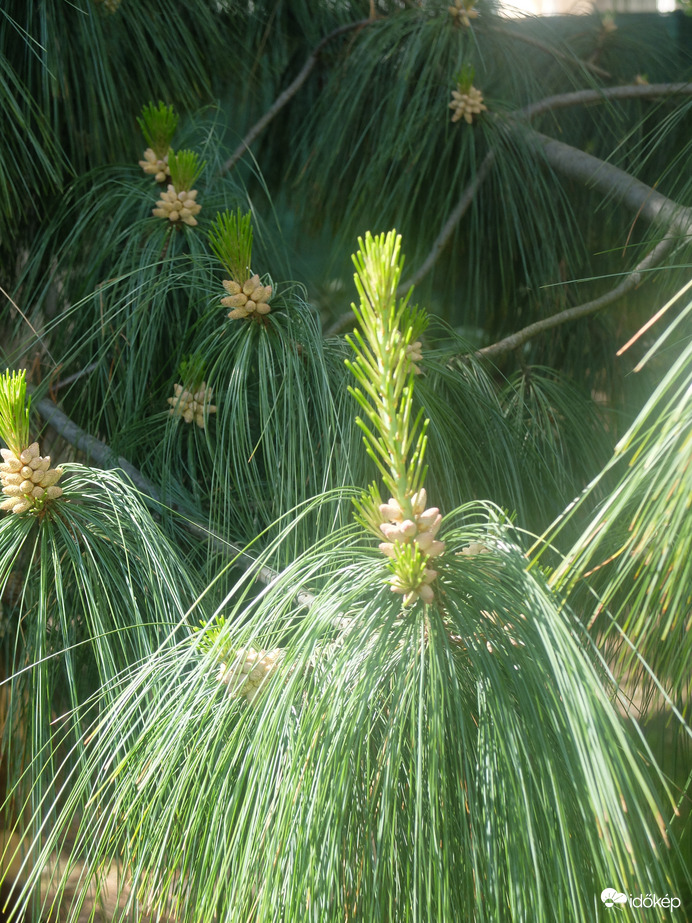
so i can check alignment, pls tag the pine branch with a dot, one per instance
(603, 94)
(101, 454)
(288, 93)
(450, 224)
(550, 103)
(630, 282)
(612, 181)
(675, 219)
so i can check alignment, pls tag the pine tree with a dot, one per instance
(301, 625)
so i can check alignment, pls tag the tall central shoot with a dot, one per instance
(386, 347)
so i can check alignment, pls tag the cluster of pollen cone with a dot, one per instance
(466, 105)
(421, 529)
(245, 675)
(463, 12)
(249, 299)
(28, 480)
(191, 405)
(178, 206)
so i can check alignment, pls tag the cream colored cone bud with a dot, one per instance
(430, 519)
(52, 476)
(29, 453)
(391, 511)
(414, 351)
(249, 671)
(463, 12)
(177, 206)
(475, 548)
(418, 501)
(234, 301)
(392, 531)
(426, 593)
(250, 298)
(251, 285)
(408, 528)
(28, 481)
(424, 541)
(420, 531)
(155, 166)
(262, 294)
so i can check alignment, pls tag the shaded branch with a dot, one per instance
(603, 94)
(343, 321)
(675, 219)
(631, 281)
(450, 224)
(101, 454)
(550, 103)
(288, 93)
(611, 180)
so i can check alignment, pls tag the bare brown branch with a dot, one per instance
(288, 93)
(101, 455)
(630, 282)
(452, 221)
(674, 219)
(602, 95)
(550, 103)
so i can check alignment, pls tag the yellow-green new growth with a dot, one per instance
(385, 348)
(27, 480)
(179, 201)
(230, 237)
(467, 100)
(158, 124)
